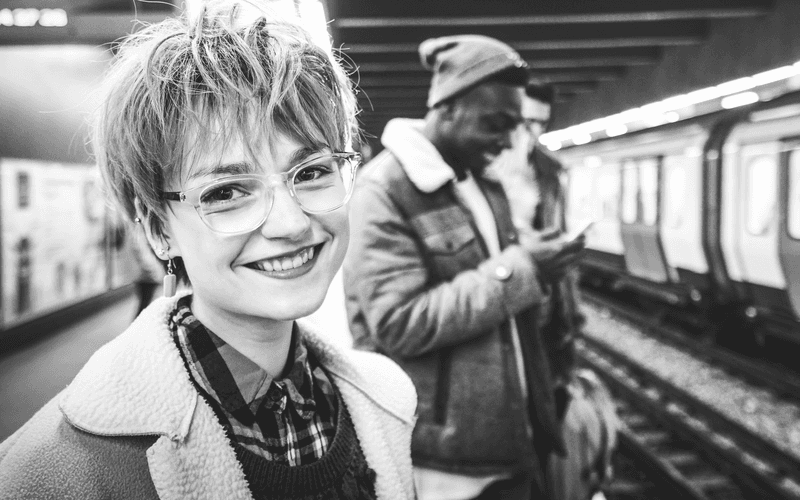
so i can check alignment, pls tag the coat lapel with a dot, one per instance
(203, 466)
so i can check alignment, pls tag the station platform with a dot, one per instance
(32, 374)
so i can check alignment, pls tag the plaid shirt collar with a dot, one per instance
(235, 381)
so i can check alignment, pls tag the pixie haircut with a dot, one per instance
(235, 70)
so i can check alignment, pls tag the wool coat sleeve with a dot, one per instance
(393, 298)
(48, 458)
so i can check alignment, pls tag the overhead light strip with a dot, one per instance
(740, 92)
(30, 17)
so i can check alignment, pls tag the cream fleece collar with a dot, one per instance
(105, 399)
(420, 159)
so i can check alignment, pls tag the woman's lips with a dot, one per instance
(289, 266)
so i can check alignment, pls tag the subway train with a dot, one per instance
(701, 217)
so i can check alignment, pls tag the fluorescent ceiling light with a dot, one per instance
(616, 129)
(581, 138)
(736, 100)
(726, 95)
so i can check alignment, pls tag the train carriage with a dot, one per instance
(702, 215)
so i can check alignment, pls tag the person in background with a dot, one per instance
(438, 278)
(228, 135)
(531, 178)
(148, 272)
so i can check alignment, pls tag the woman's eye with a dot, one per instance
(222, 194)
(312, 173)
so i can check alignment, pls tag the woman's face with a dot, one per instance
(238, 276)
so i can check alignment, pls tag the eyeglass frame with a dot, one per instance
(529, 122)
(183, 196)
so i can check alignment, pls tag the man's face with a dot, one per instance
(482, 122)
(536, 116)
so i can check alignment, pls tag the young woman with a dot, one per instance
(226, 137)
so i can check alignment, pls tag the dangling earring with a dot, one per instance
(170, 280)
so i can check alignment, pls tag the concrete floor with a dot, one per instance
(33, 374)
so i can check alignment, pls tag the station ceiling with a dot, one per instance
(92, 22)
(573, 44)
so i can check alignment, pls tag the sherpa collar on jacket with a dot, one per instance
(420, 159)
(137, 385)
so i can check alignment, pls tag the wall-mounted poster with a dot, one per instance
(52, 227)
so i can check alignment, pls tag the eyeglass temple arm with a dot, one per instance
(172, 196)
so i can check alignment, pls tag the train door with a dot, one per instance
(790, 227)
(644, 252)
(681, 217)
(757, 230)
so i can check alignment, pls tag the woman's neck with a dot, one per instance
(265, 341)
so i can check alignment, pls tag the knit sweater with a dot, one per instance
(341, 474)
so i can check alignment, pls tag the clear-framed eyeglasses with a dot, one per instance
(239, 204)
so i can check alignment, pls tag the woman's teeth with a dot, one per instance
(285, 263)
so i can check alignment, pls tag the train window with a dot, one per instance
(23, 190)
(793, 218)
(608, 191)
(630, 192)
(674, 190)
(761, 173)
(580, 193)
(648, 182)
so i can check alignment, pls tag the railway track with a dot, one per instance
(783, 383)
(685, 446)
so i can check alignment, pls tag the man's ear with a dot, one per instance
(156, 239)
(447, 110)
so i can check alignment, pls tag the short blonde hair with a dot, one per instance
(252, 72)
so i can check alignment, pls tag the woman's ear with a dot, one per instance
(157, 240)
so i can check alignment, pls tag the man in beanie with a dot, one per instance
(438, 278)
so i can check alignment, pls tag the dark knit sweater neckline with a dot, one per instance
(311, 480)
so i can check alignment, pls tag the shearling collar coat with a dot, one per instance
(131, 425)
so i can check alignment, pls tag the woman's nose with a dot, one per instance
(286, 219)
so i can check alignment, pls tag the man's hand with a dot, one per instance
(553, 255)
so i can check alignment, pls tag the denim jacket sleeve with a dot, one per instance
(393, 293)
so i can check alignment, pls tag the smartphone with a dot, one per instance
(581, 229)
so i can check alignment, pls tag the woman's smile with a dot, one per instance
(289, 265)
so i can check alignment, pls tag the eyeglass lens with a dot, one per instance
(240, 205)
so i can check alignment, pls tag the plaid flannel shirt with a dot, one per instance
(289, 419)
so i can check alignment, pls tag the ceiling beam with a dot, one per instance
(394, 93)
(541, 37)
(566, 63)
(423, 79)
(631, 53)
(475, 13)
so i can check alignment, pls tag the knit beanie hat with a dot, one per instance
(462, 61)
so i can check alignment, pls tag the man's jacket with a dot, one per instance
(420, 287)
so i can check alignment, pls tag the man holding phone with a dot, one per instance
(531, 178)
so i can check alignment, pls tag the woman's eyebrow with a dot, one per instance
(223, 169)
(302, 154)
